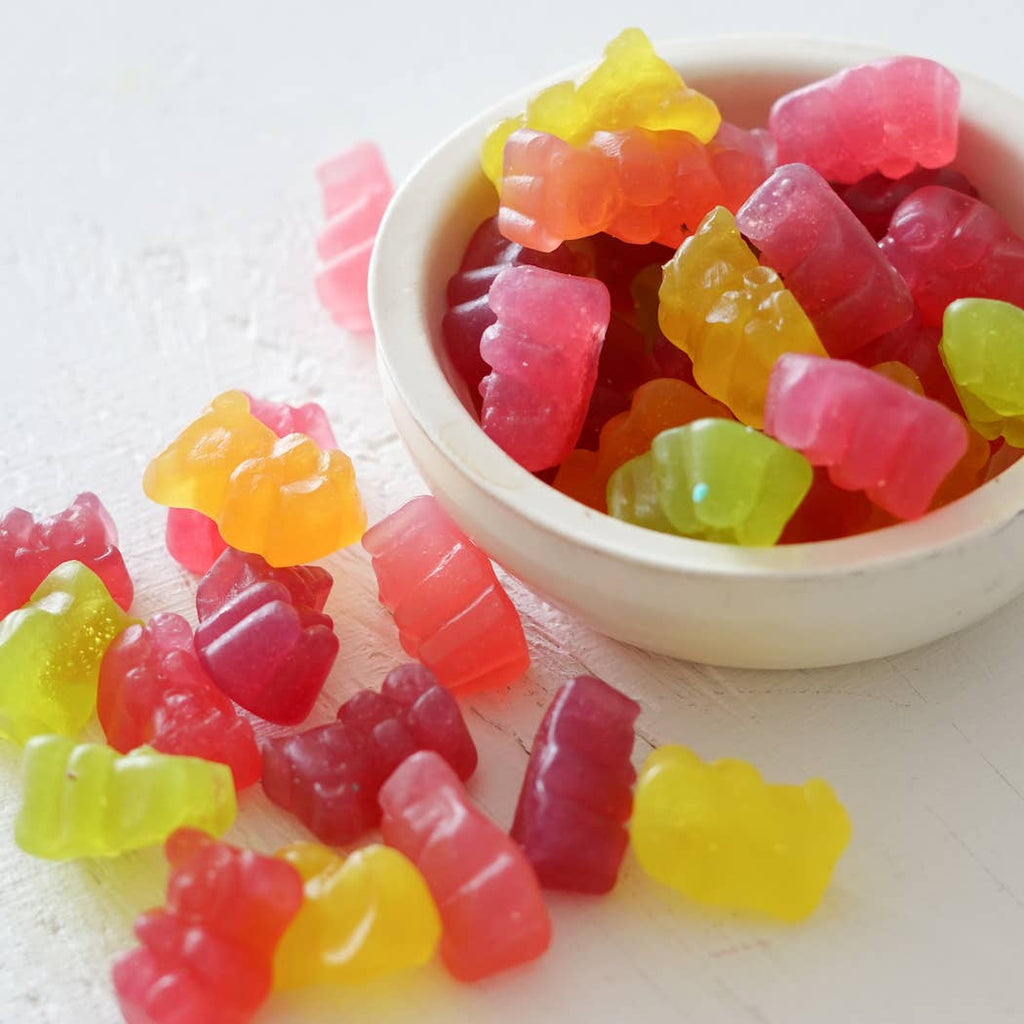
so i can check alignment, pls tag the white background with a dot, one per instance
(157, 214)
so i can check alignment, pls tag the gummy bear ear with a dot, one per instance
(184, 843)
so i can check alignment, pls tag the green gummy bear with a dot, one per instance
(50, 653)
(633, 495)
(983, 350)
(87, 800)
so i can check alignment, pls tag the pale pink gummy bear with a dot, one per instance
(890, 116)
(873, 434)
(826, 257)
(543, 352)
(488, 896)
(356, 191)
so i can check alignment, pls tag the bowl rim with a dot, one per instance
(399, 310)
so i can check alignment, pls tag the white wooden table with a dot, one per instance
(157, 212)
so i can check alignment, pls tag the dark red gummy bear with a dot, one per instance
(30, 549)
(207, 956)
(578, 792)
(329, 776)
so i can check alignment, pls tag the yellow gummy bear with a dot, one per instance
(731, 316)
(631, 88)
(89, 801)
(50, 653)
(362, 916)
(723, 836)
(284, 499)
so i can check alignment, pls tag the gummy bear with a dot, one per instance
(153, 691)
(983, 349)
(722, 836)
(889, 115)
(639, 186)
(363, 916)
(631, 88)
(356, 192)
(31, 548)
(657, 405)
(50, 653)
(633, 495)
(948, 246)
(451, 612)
(90, 801)
(829, 512)
(826, 258)
(284, 499)
(578, 790)
(732, 317)
(543, 352)
(207, 956)
(872, 434)
(491, 907)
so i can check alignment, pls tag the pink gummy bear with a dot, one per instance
(949, 246)
(826, 258)
(356, 191)
(578, 792)
(873, 434)
(640, 186)
(153, 691)
(31, 548)
(329, 776)
(488, 896)
(543, 352)
(888, 116)
(451, 612)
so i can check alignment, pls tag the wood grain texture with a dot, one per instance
(158, 212)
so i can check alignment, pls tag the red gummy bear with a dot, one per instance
(31, 548)
(490, 901)
(578, 792)
(207, 956)
(153, 691)
(451, 612)
(329, 776)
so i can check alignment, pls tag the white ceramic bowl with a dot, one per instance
(786, 607)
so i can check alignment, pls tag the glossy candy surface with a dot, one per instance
(206, 957)
(889, 115)
(578, 790)
(153, 691)
(488, 896)
(721, 835)
(362, 916)
(826, 258)
(89, 801)
(50, 653)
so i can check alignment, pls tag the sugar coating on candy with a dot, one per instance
(543, 351)
(31, 548)
(89, 801)
(639, 186)
(948, 246)
(578, 791)
(889, 115)
(285, 499)
(491, 907)
(721, 835)
(363, 916)
(983, 349)
(451, 612)
(356, 191)
(50, 653)
(731, 316)
(871, 433)
(207, 956)
(826, 258)
(656, 405)
(632, 87)
(329, 776)
(153, 691)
